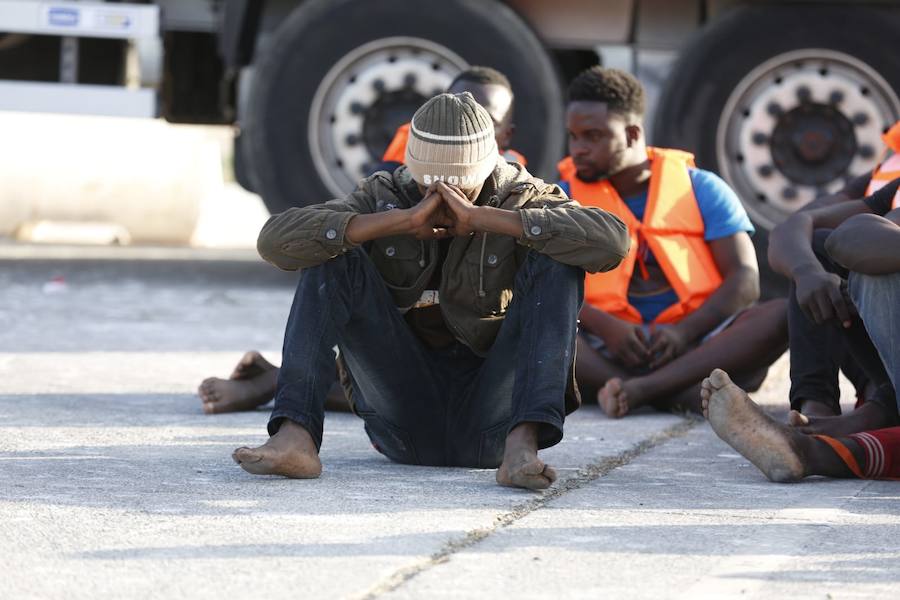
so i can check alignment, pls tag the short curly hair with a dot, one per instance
(620, 91)
(482, 75)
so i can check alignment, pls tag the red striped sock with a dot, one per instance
(882, 449)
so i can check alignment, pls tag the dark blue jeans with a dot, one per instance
(877, 298)
(423, 406)
(819, 351)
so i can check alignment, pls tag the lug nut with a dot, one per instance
(760, 139)
(860, 118)
(804, 94)
(789, 193)
(866, 151)
(357, 109)
(774, 109)
(836, 97)
(378, 84)
(765, 171)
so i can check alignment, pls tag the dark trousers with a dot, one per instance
(819, 352)
(423, 406)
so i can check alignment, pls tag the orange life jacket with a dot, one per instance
(396, 151)
(889, 167)
(672, 228)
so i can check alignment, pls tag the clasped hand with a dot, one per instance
(444, 212)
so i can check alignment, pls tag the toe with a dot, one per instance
(550, 473)
(245, 455)
(797, 419)
(532, 482)
(719, 379)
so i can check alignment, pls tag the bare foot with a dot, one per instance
(251, 365)
(613, 398)
(252, 384)
(773, 448)
(521, 466)
(291, 452)
(867, 417)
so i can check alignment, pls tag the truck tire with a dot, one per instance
(786, 103)
(339, 76)
(242, 168)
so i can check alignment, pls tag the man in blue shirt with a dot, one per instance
(656, 344)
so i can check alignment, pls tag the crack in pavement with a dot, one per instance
(582, 477)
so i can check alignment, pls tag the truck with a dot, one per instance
(786, 100)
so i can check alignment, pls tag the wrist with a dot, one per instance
(806, 268)
(405, 223)
(478, 218)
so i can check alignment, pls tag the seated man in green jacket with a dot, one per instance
(452, 288)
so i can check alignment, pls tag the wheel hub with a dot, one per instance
(365, 97)
(801, 124)
(385, 115)
(813, 144)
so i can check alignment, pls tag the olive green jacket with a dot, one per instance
(479, 270)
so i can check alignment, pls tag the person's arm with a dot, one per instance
(867, 244)
(790, 243)
(818, 292)
(583, 236)
(590, 238)
(854, 190)
(736, 259)
(304, 237)
(418, 221)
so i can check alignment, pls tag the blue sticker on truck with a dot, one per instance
(60, 16)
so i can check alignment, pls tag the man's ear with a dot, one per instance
(633, 133)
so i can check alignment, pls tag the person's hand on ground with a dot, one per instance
(666, 344)
(821, 298)
(628, 343)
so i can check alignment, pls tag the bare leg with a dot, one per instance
(782, 453)
(593, 369)
(752, 343)
(291, 452)
(521, 466)
(336, 400)
(251, 384)
(867, 417)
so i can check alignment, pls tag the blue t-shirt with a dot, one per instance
(722, 214)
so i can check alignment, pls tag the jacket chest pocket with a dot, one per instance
(400, 260)
(492, 276)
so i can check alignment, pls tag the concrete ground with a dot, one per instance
(113, 484)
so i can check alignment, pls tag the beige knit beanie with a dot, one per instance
(451, 139)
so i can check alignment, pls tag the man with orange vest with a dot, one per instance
(492, 90)
(680, 304)
(826, 334)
